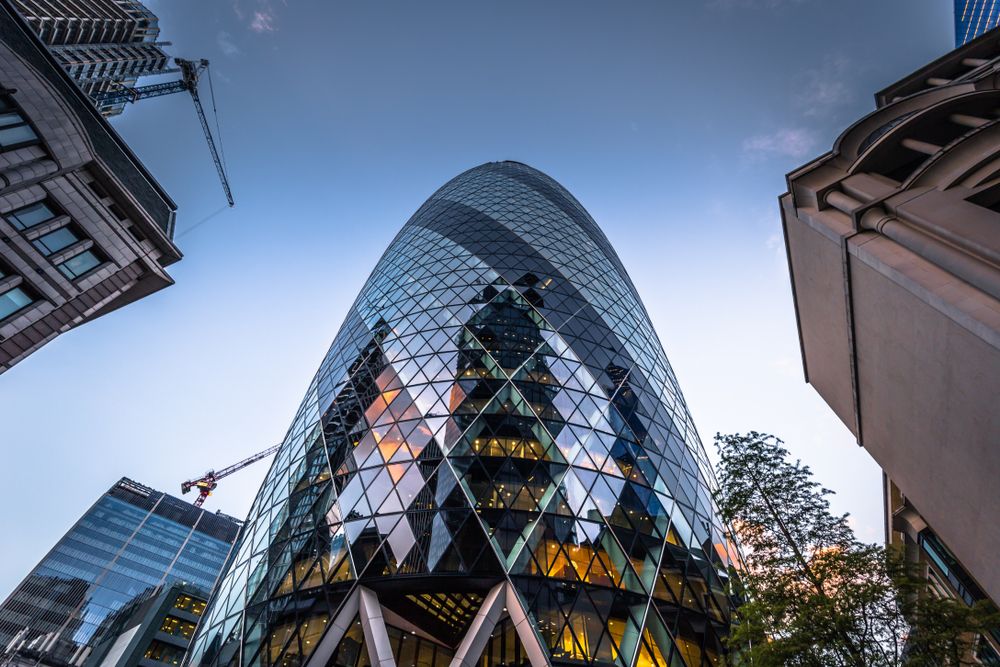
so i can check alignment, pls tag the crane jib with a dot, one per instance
(207, 482)
(190, 75)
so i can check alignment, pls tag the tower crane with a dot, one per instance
(207, 482)
(190, 73)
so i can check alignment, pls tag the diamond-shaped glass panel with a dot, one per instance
(496, 409)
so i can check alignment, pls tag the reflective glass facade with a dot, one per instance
(493, 464)
(153, 633)
(123, 550)
(973, 18)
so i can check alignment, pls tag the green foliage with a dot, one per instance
(941, 629)
(814, 595)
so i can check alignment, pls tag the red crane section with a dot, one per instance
(207, 482)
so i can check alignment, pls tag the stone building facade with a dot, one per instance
(893, 242)
(84, 227)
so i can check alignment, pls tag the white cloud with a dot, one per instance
(226, 44)
(786, 142)
(263, 21)
(258, 15)
(825, 90)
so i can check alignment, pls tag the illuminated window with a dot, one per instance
(165, 653)
(177, 627)
(185, 602)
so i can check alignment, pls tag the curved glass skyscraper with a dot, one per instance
(493, 465)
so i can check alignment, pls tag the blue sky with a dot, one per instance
(672, 122)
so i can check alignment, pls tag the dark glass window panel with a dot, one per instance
(118, 213)
(162, 652)
(351, 652)
(10, 118)
(411, 650)
(16, 135)
(78, 265)
(136, 233)
(14, 131)
(12, 301)
(53, 242)
(98, 189)
(32, 215)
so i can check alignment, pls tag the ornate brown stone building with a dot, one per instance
(84, 228)
(893, 242)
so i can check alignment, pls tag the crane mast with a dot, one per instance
(190, 75)
(210, 480)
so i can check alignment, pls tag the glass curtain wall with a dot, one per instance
(496, 410)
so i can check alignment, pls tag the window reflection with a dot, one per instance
(15, 131)
(78, 265)
(53, 242)
(32, 215)
(291, 643)
(12, 301)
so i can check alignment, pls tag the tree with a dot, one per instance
(942, 630)
(813, 594)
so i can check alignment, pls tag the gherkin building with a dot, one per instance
(493, 465)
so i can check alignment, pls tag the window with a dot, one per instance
(58, 240)
(177, 627)
(12, 301)
(53, 242)
(98, 190)
(189, 604)
(166, 653)
(117, 212)
(32, 215)
(14, 129)
(78, 265)
(136, 233)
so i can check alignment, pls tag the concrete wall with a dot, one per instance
(930, 399)
(821, 306)
(927, 373)
(893, 241)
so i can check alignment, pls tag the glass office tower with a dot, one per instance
(973, 18)
(493, 465)
(124, 549)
